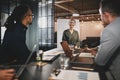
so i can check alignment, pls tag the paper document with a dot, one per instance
(50, 54)
(53, 51)
(76, 75)
(86, 55)
(48, 58)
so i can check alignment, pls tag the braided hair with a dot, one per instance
(16, 16)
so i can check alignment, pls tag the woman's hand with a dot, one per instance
(7, 74)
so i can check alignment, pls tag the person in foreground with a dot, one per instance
(14, 43)
(108, 52)
(70, 35)
(7, 74)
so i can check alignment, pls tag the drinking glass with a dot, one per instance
(64, 61)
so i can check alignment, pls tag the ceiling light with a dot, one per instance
(75, 14)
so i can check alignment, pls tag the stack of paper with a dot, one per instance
(86, 55)
(47, 56)
(76, 75)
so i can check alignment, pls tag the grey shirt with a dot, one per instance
(109, 43)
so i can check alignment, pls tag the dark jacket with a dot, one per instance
(14, 44)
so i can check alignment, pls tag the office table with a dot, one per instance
(36, 72)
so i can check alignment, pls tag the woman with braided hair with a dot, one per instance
(14, 42)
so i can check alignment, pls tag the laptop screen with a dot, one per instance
(66, 48)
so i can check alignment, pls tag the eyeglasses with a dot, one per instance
(31, 15)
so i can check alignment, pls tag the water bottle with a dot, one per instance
(39, 55)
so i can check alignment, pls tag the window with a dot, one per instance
(45, 24)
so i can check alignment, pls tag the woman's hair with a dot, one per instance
(111, 6)
(16, 16)
(72, 20)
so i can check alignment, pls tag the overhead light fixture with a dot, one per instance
(75, 14)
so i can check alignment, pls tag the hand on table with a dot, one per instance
(7, 74)
(93, 51)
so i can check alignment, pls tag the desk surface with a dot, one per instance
(34, 72)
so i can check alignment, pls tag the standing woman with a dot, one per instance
(14, 42)
(71, 35)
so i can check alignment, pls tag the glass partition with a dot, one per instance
(42, 29)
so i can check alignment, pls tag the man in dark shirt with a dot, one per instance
(14, 42)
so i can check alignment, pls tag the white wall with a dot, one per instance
(85, 29)
(90, 29)
(3, 20)
(63, 24)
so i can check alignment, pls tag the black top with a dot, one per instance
(14, 44)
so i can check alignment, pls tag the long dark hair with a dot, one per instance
(16, 16)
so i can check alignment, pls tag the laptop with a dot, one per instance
(66, 49)
(19, 68)
(77, 60)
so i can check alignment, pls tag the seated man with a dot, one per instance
(108, 52)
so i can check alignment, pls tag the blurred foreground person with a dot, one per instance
(6, 74)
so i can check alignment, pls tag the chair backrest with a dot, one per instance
(112, 62)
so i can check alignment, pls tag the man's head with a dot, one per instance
(72, 23)
(109, 10)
